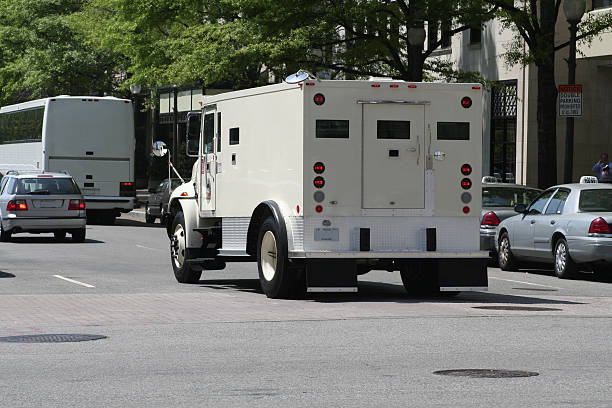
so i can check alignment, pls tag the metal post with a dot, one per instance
(175, 125)
(569, 126)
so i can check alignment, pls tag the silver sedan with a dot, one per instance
(567, 225)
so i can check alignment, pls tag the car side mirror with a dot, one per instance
(520, 208)
(159, 149)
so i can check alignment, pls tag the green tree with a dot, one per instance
(41, 54)
(534, 22)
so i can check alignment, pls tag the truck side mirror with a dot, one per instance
(159, 149)
(193, 134)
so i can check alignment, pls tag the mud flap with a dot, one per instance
(462, 274)
(331, 275)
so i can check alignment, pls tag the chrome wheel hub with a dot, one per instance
(177, 246)
(560, 257)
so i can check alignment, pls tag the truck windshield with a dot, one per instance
(596, 200)
(55, 185)
(507, 196)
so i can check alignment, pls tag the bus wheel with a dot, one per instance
(275, 276)
(178, 249)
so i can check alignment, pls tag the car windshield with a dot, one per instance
(51, 185)
(596, 200)
(507, 196)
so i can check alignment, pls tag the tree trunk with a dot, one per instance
(547, 126)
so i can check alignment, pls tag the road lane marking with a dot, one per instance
(150, 249)
(87, 285)
(526, 283)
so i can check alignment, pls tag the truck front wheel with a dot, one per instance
(275, 276)
(178, 249)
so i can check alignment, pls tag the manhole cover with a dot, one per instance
(521, 308)
(486, 373)
(537, 289)
(51, 338)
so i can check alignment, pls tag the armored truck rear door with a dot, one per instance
(393, 156)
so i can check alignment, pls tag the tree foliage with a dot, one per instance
(42, 55)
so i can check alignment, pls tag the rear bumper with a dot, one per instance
(590, 249)
(42, 224)
(487, 239)
(123, 204)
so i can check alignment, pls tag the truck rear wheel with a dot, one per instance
(277, 279)
(178, 250)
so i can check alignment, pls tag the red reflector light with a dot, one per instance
(466, 209)
(319, 182)
(490, 219)
(411, 86)
(297, 208)
(76, 205)
(17, 205)
(475, 87)
(45, 176)
(319, 208)
(466, 169)
(394, 86)
(318, 167)
(375, 85)
(466, 102)
(127, 189)
(319, 99)
(310, 83)
(599, 226)
(466, 183)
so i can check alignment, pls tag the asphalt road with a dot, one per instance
(223, 343)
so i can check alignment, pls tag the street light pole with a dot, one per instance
(416, 39)
(574, 10)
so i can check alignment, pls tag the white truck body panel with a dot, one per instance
(90, 138)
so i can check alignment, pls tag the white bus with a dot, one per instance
(90, 138)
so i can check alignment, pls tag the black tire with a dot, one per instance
(505, 258)
(178, 252)
(59, 236)
(565, 267)
(78, 235)
(419, 279)
(149, 219)
(278, 280)
(5, 236)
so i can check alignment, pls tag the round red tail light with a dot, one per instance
(319, 99)
(466, 209)
(319, 208)
(599, 226)
(466, 169)
(318, 167)
(319, 182)
(490, 219)
(466, 102)
(466, 183)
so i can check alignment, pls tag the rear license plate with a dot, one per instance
(48, 203)
(327, 234)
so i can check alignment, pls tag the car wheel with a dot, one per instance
(565, 268)
(59, 235)
(178, 252)
(276, 277)
(5, 236)
(505, 258)
(78, 235)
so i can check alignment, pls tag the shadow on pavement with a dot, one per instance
(127, 222)
(49, 240)
(385, 292)
(601, 277)
(6, 275)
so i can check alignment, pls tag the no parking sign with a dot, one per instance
(570, 100)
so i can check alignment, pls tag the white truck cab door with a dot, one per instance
(393, 156)
(209, 161)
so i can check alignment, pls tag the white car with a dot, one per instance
(568, 225)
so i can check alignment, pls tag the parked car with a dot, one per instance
(566, 225)
(39, 203)
(157, 206)
(498, 201)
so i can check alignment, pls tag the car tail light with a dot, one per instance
(466, 183)
(319, 167)
(599, 226)
(127, 189)
(17, 205)
(319, 182)
(466, 169)
(76, 205)
(490, 219)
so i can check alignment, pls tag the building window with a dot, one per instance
(600, 4)
(503, 131)
(475, 36)
(234, 136)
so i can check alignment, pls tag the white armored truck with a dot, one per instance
(320, 181)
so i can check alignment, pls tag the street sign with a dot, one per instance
(570, 100)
